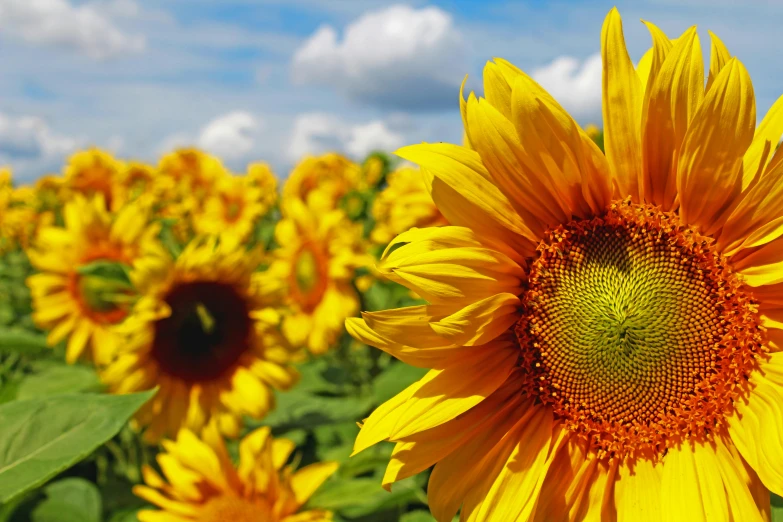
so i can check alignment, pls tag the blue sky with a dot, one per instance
(274, 79)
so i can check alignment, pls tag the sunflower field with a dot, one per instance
(181, 321)
(544, 323)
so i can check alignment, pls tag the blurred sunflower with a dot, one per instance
(201, 483)
(139, 182)
(85, 307)
(405, 203)
(189, 175)
(95, 172)
(604, 332)
(204, 335)
(315, 263)
(259, 175)
(232, 209)
(322, 181)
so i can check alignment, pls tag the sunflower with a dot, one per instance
(233, 208)
(82, 306)
(203, 485)
(95, 172)
(322, 181)
(405, 203)
(188, 175)
(203, 334)
(315, 264)
(260, 175)
(604, 332)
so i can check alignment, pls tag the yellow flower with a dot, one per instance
(315, 264)
(201, 483)
(233, 208)
(95, 172)
(322, 181)
(204, 335)
(261, 176)
(188, 175)
(604, 332)
(372, 171)
(82, 307)
(405, 203)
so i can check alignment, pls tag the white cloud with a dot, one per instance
(31, 147)
(316, 133)
(577, 86)
(58, 23)
(232, 137)
(396, 57)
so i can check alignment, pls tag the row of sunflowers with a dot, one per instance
(208, 309)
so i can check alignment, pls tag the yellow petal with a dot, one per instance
(764, 266)
(622, 106)
(759, 210)
(78, 341)
(709, 168)
(456, 475)
(466, 196)
(691, 487)
(308, 479)
(513, 494)
(479, 322)
(675, 93)
(719, 57)
(637, 492)
(422, 450)
(756, 427)
(767, 137)
(456, 389)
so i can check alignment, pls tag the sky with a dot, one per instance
(273, 80)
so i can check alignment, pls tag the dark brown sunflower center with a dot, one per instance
(635, 330)
(207, 332)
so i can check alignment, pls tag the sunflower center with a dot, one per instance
(308, 277)
(207, 332)
(225, 508)
(636, 331)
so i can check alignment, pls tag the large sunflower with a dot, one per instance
(85, 307)
(405, 203)
(204, 335)
(603, 331)
(203, 485)
(315, 264)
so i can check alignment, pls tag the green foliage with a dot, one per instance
(777, 508)
(70, 500)
(44, 436)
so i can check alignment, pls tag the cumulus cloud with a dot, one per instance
(232, 137)
(31, 146)
(396, 57)
(316, 133)
(58, 23)
(576, 85)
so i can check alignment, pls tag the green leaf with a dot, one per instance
(44, 436)
(777, 508)
(70, 500)
(54, 378)
(417, 516)
(395, 378)
(363, 496)
(296, 409)
(124, 516)
(22, 341)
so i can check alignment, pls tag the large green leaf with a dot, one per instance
(70, 500)
(44, 436)
(54, 377)
(22, 341)
(363, 496)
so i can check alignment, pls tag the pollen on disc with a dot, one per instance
(636, 330)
